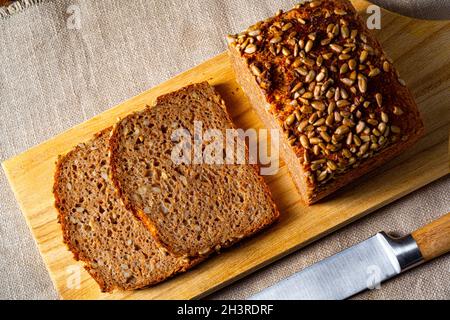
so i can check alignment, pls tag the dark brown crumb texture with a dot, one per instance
(116, 248)
(191, 209)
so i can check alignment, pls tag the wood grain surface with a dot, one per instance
(434, 238)
(420, 51)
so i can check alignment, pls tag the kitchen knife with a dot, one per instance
(363, 266)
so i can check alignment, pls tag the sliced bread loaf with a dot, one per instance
(118, 251)
(191, 209)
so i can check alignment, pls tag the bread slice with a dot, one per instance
(118, 251)
(317, 74)
(191, 209)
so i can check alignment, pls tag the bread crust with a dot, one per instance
(264, 92)
(146, 220)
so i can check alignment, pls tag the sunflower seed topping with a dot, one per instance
(340, 12)
(324, 97)
(397, 111)
(250, 48)
(255, 70)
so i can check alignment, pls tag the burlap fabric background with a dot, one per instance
(53, 76)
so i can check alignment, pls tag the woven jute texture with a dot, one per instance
(62, 62)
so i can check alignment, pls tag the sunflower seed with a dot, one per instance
(309, 46)
(344, 56)
(374, 72)
(345, 32)
(395, 129)
(376, 132)
(363, 149)
(382, 127)
(301, 71)
(318, 105)
(346, 153)
(384, 117)
(343, 68)
(360, 127)
(348, 122)
(306, 157)
(304, 141)
(285, 51)
(347, 81)
(313, 118)
(254, 33)
(309, 62)
(332, 165)
(315, 140)
(307, 95)
(297, 87)
(231, 39)
(342, 130)
(316, 150)
(314, 4)
(251, 48)
(340, 12)
(322, 176)
(325, 136)
(330, 119)
(335, 47)
(363, 56)
(349, 139)
(255, 70)
(402, 82)
(292, 140)
(344, 93)
(397, 111)
(275, 40)
(315, 166)
(342, 103)
(386, 66)
(286, 27)
(356, 140)
(324, 42)
(319, 122)
(352, 64)
(290, 119)
(310, 76)
(320, 76)
(379, 99)
(302, 125)
(362, 83)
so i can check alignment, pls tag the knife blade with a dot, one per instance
(363, 266)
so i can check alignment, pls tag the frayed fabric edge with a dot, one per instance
(17, 6)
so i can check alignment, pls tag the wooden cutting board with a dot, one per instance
(420, 51)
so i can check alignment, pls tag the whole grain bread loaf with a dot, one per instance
(317, 74)
(190, 208)
(118, 251)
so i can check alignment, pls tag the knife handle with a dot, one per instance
(434, 238)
